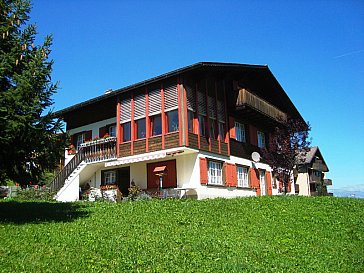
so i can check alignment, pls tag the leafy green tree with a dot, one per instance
(30, 137)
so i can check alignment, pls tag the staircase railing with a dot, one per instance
(61, 177)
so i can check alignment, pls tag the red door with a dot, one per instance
(169, 180)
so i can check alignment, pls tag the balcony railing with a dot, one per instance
(99, 150)
(247, 98)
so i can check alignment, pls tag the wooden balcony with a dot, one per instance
(247, 99)
(99, 150)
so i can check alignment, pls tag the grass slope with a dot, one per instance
(267, 234)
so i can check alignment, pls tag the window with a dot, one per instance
(80, 140)
(243, 178)
(201, 124)
(140, 128)
(109, 177)
(172, 117)
(240, 132)
(263, 186)
(222, 131)
(215, 173)
(212, 129)
(156, 125)
(126, 131)
(191, 116)
(112, 131)
(261, 139)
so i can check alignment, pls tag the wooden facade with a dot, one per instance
(196, 108)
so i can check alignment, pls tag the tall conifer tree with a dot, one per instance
(29, 135)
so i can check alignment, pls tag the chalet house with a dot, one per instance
(310, 174)
(193, 129)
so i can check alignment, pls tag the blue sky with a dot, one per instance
(314, 48)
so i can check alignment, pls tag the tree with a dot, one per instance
(287, 147)
(30, 138)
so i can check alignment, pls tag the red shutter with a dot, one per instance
(268, 178)
(230, 175)
(88, 135)
(234, 175)
(102, 131)
(232, 127)
(203, 171)
(254, 178)
(227, 175)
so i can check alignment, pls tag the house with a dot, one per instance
(193, 129)
(310, 174)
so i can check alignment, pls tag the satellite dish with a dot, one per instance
(256, 156)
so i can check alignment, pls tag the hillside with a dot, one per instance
(267, 234)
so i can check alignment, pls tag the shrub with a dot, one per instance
(41, 193)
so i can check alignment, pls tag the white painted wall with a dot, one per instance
(70, 191)
(304, 184)
(138, 173)
(93, 126)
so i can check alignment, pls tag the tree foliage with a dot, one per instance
(30, 138)
(287, 146)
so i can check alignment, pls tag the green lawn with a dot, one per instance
(267, 234)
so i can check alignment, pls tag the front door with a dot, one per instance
(263, 186)
(123, 180)
(170, 177)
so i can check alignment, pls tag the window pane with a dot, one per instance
(140, 128)
(212, 129)
(215, 173)
(240, 132)
(201, 122)
(221, 131)
(190, 121)
(112, 131)
(80, 140)
(126, 132)
(172, 121)
(261, 139)
(156, 122)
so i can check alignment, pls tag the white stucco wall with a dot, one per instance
(70, 191)
(138, 173)
(303, 182)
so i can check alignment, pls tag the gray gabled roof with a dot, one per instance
(311, 156)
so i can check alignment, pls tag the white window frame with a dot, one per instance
(215, 173)
(240, 132)
(262, 182)
(243, 176)
(80, 140)
(112, 130)
(110, 177)
(261, 139)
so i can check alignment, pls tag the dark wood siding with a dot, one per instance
(155, 144)
(224, 148)
(125, 149)
(214, 146)
(242, 149)
(193, 140)
(204, 143)
(139, 146)
(171, 140)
